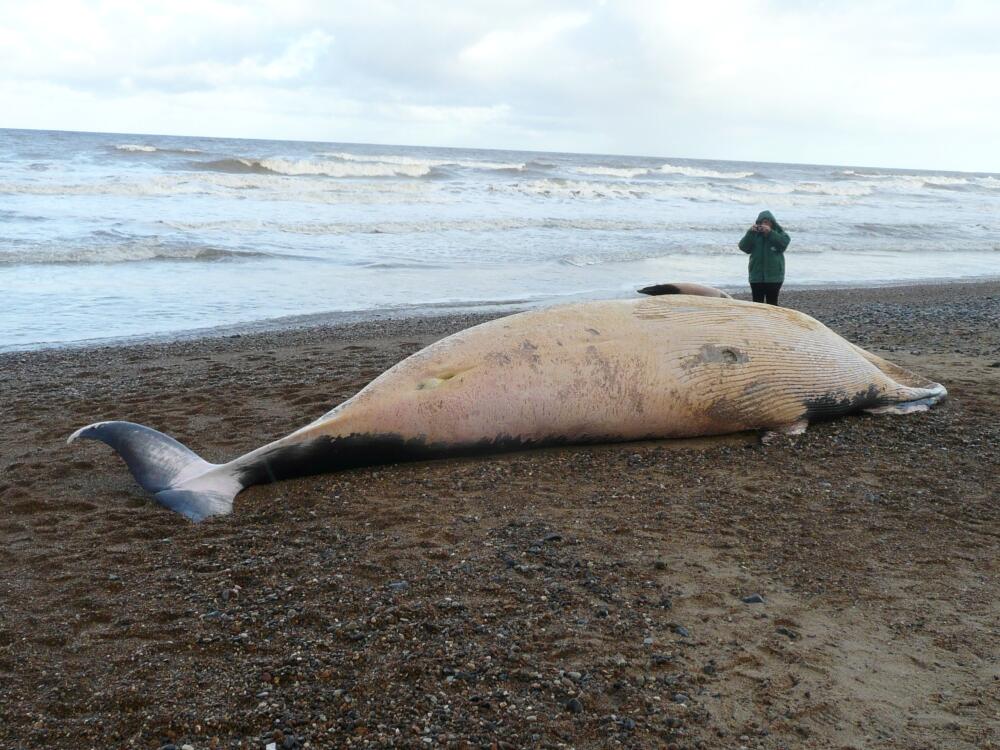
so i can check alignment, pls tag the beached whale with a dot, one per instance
(659, 367)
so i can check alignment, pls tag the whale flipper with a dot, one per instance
(178, 478)
(683, 287)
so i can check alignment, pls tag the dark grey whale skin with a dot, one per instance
(329, 454)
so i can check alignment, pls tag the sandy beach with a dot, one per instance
(839, 589)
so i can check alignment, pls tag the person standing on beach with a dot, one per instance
(765, 243)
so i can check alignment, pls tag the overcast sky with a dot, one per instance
(904, 84)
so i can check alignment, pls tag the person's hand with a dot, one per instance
(765, 228)
(754, 227)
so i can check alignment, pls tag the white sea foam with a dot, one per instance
(311, 168)
(410, 161)
(339, 169)
(501, 224)
(157, 186)
(942, 180)
(596, 190)
(125, 252)
(627, 172)
(919, 183)
(142, 148)
(912, 181)
(701, 172)
(834, 188)
(263, 186)
(574, 189)
(768, 188)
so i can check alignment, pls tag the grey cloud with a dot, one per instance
(630, 75)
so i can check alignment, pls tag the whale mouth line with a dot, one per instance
(937, 395)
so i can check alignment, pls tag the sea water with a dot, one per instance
(109, 236)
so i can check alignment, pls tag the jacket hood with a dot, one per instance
(768, 215)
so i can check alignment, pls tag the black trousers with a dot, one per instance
(765, 291)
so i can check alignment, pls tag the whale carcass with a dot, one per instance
(659, 367)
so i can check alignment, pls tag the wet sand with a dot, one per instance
(573, 597)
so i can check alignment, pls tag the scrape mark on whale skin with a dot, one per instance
(498, 360)
(715, 354)
(529, 353)
(429, 383)
(619, 380)
(726, 354)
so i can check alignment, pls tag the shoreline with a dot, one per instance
(583, 596)
(490, 309)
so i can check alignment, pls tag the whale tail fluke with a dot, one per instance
(178, 478)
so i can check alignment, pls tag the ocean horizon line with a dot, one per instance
(510, 150)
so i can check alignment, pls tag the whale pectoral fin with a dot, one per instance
(658, 289)
(795, 428)
(698, 290)
(178, 478)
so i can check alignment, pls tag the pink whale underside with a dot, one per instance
(667, 367)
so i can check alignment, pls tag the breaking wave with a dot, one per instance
(700, 172)
(411, 161)
(224, 185)
(626, 172)
(305, 167)
(143, 148)
(665, 169)
(910, 182)
(835, 188)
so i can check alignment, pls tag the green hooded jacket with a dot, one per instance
(766, 251)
